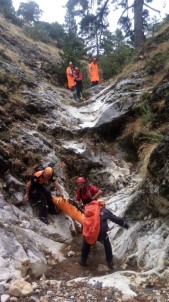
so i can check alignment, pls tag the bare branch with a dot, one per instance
(127, 8)
(100, 14)
(156, 10)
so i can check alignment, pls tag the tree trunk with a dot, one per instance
(138, 23)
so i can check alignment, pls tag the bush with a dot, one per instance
(37, 34)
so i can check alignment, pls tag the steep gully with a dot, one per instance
(68, 136)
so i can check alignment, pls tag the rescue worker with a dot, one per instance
(94, 72)
(39, 195)
(71, 79)
(79, 83)
(85, 194)
(95, 228)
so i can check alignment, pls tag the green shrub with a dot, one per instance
(37, 34)
(144, 108)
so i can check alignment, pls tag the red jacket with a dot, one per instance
(86, 194)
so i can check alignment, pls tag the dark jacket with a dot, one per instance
(106, 215)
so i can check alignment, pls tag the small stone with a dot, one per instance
(20, 288)
(44, 299)
(81, 298)
(70, 254)
(37, 290)
(34, 285)
(102, 268)
(50, 293)
(13, 299)
(141, 298)
(126, 298)
(33, 299)
(5, 298)
(2, 289)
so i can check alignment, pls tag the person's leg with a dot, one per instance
(78, 92)
(51, 206)
(108, 252)
(84, 252)
(73, 89)
(38, 199)
(95, 83)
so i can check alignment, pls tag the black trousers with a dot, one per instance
(94, 83)
(42, 198)
(107, 247)
(73, 89)
(79, 88)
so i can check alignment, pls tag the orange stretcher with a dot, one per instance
(66, 207)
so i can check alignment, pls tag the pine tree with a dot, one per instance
(6, 8)
(29, 11)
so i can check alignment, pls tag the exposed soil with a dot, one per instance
(73, 269)
(69, 269)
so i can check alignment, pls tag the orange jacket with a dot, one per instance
(39, 177)
(91, 225)
(94, 72)
(70, 77)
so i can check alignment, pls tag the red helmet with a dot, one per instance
(81, 180)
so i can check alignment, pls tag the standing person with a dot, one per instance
(71, 79)
(85, 194)
(94, 72)
(95, 228)
(39, 195)
(79, 83)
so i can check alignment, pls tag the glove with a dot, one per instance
(126, 226)
(101, 203)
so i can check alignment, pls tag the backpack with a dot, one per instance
(91, 225)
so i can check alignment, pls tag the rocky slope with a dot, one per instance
(118, 139)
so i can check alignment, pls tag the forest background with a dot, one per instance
(86, 32)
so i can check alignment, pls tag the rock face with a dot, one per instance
(42, 125)
(22, 249)
(159, 170)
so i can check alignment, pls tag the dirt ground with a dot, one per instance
(71, 264)
(155, 291)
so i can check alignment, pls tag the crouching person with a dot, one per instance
(95, 228)
(39, 195)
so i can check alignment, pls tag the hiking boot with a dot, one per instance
(110, 264)
(82, 263)
(44, 220)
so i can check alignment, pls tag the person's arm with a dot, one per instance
(77, 198)
(115, 219)
(79, 77)
(70, 72)
(97, 195)
(90, 69)
(26, 196)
